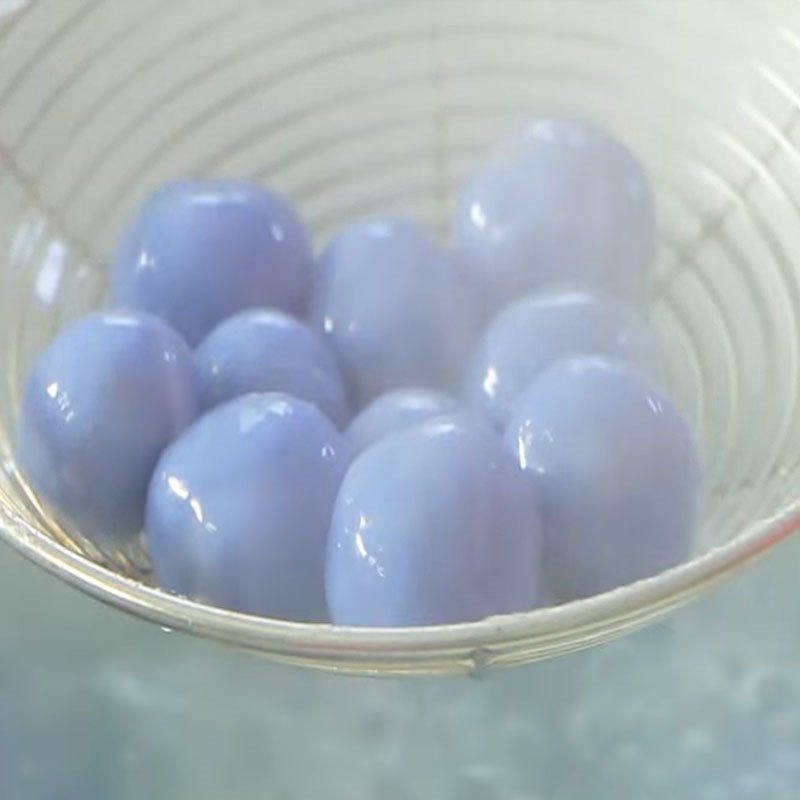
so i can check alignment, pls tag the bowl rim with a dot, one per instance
(438, 649)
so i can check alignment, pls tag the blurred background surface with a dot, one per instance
(97, 705)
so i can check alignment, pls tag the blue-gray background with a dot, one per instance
(95, 705)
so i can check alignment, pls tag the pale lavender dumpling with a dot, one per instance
(617, 470)
(392, 306)
(562, 202)
(397, 411)
(239, 507)
(199, 251)
(104, 399)
(538, 330)
(269, 351)
(433, 525)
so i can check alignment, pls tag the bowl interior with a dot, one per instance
(367, 106)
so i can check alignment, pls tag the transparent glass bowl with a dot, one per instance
(361, 106)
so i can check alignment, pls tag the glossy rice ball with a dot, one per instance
(239, 507)
(533, 333)
(269, 351)
(391, 305)
(397, 411)
(201, 250)
(617, 470)
(433, 525)
(104, 399)
(563, 202)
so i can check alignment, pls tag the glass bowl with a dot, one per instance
(361, 106)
